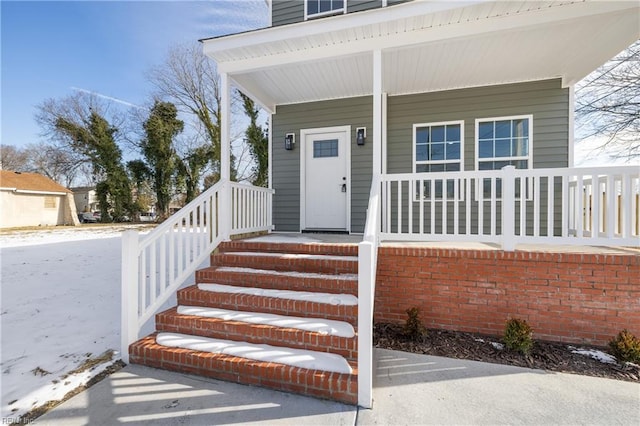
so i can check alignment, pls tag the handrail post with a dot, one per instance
(365, 312)
(509, 207)
(225, 211)
(129, 292)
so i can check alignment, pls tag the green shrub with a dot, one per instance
(413, 327)
(626, 347)
(518, 336)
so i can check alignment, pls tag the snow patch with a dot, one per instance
(346, 277)
(307, 296)
(316, 325)
(294, 255)
(294, 357)
(595, 354)
(498, 346)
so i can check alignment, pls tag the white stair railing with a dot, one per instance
(154, 267)
(367, 265)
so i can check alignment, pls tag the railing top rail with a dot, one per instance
(253, 187)
(177, 218)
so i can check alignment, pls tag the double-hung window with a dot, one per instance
(504, 141)
(315, 8)
(437, 147)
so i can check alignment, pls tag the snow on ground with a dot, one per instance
(60, 308)
(595, 354)
(307, 296)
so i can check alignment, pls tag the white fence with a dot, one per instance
(154, 267)
(585, 206)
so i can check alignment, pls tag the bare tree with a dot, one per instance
(12, 158)
(57, 162)
(191, 81)
(608, 104)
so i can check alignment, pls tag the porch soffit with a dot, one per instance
(427, 46)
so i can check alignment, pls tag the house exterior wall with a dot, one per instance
(575, 298)
(354, 112)
(19, 209)
(292, 11)
(546, 100)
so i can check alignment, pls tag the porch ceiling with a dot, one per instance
(426, 46)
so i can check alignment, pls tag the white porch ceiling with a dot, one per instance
(427, 46)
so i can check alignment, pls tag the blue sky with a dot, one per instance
(52, 48)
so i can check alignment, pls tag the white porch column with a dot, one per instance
(377, 112)
(225, 157)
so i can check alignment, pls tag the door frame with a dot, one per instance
(303, 169)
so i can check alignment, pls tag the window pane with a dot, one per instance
(503, 148)
(452, 167)
(498, 165)
(422, 135)
(312, 6)
(521, 128)
(453, 133)
(422, 152)
(437, 151)
(437, 134)
(485, 165)
(520, 147)
(522, 164)
(437, 168)
(337, 4)
(325, 5)
(326, 148)
(485, 130)
(421, 168)
(453, 151)
(485, 149)
(503, 129)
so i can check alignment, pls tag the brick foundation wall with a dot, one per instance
(577, 298)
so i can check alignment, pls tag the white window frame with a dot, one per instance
(327, 13)
(416, 162)
(528, 157)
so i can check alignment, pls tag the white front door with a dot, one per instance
(326, 189)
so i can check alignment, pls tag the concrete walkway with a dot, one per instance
(409, 389)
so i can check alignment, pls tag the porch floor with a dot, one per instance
(353, 239)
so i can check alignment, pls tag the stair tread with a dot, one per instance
(346, 277)
(301, 358)
(292, 255)
(309, 296)
(315, 325)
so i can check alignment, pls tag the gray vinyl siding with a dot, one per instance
(287, 12)
(292, 11)
(354, 112)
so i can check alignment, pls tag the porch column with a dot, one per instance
(225, 207)
(377, 112)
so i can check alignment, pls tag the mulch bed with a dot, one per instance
(551, 356)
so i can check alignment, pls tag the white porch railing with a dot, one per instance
(154, 267)
(583, 206)
(367, 265)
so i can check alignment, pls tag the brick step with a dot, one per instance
(288, 262)
(193, 296)
(173, 321)
(279, 280)
(340, 387)
(300, 248)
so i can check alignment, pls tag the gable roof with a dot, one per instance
(29, 182)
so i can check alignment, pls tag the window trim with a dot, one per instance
(342, 10)
(460, 160)
(528, 157)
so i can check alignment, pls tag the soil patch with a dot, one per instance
(550, 356)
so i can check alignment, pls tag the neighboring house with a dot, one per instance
(30, 199)
(86, 199)
(419, 121)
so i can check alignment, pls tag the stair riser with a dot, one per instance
(277, 282)
(334, 386)
(325, 266)
(171, 321)
(192, 296)
(325, 249)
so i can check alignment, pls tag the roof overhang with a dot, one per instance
(426, 46)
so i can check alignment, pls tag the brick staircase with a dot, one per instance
(277, 315)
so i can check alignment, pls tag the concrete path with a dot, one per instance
(409, 389)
